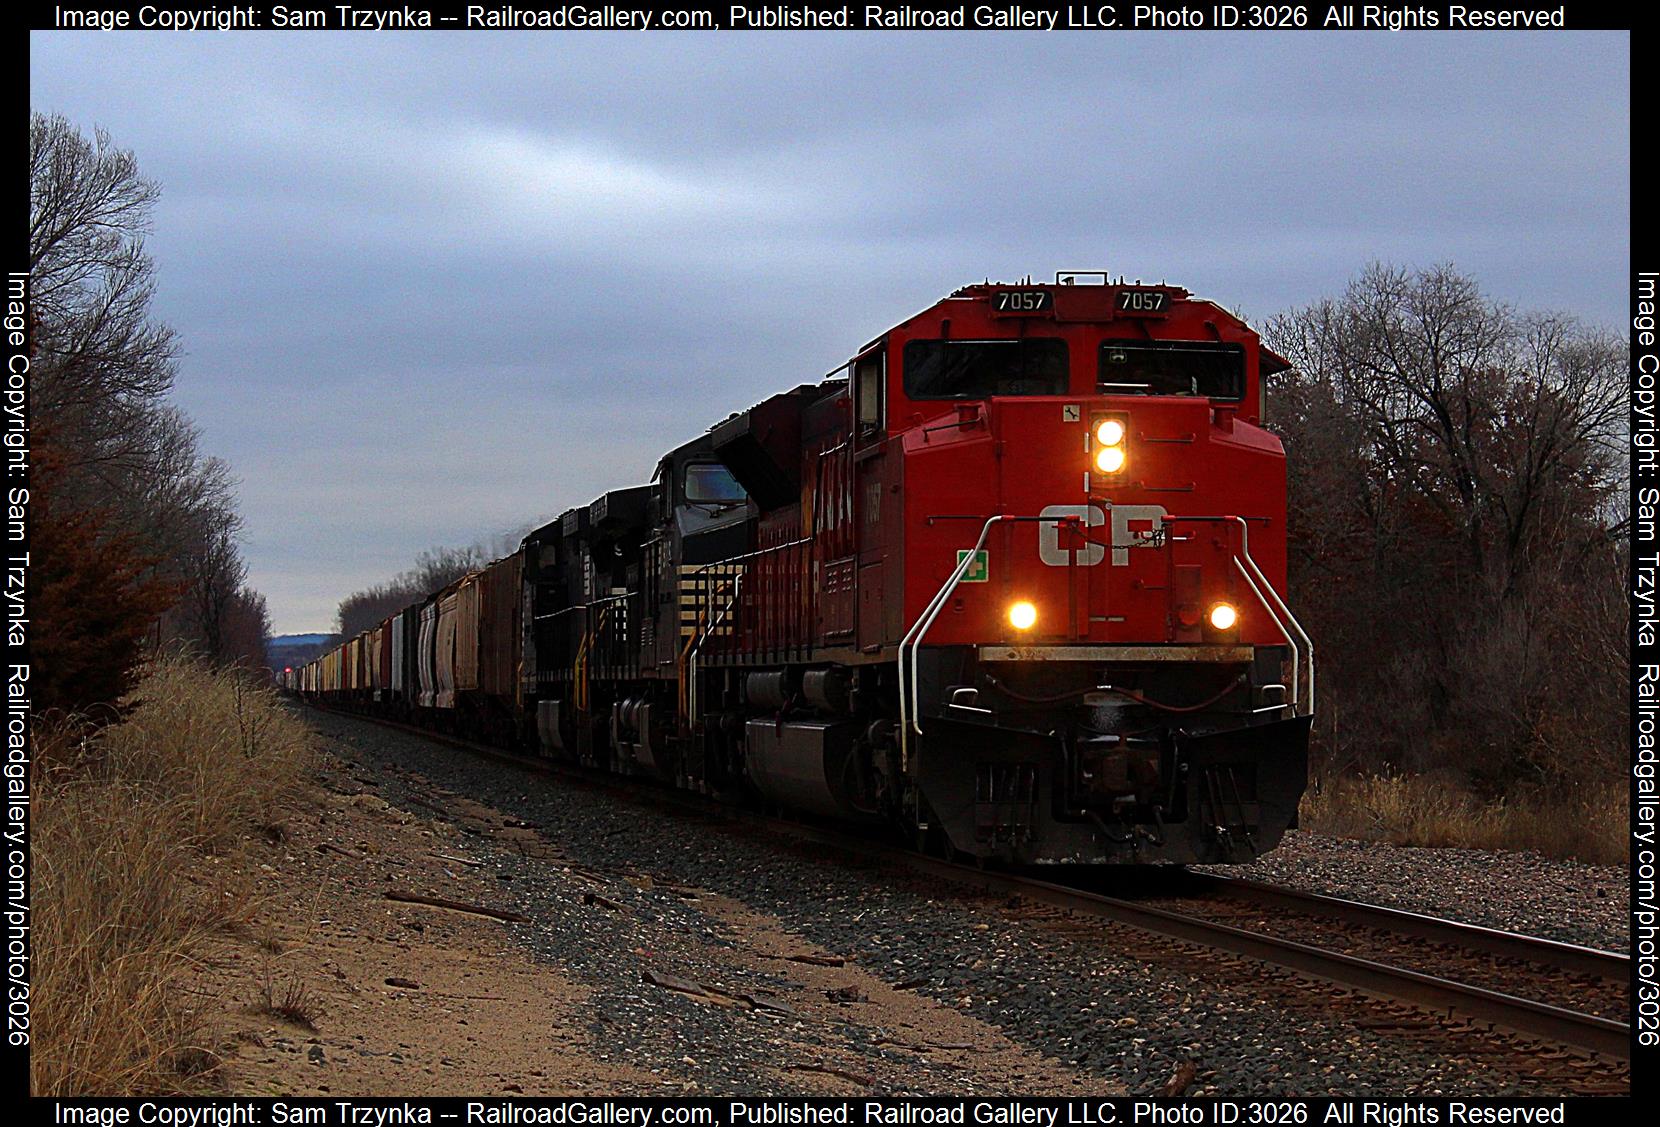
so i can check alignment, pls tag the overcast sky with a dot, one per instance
(435, 286)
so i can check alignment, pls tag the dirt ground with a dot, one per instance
(341, 990)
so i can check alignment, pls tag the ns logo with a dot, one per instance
(1132, 526)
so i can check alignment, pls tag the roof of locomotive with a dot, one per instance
(686, 451)
(1074, 302)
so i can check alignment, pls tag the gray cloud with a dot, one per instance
(433, 286)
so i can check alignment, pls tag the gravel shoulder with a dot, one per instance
(1525, 892)
(669, 944)
(610, 981)
(335, 990)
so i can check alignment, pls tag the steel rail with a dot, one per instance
(1557, 1024)
(1614, 966)
(1586, 1032)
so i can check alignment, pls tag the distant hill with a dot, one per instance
(300, 639)
(295, 649)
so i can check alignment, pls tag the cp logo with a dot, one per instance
(1129, 524)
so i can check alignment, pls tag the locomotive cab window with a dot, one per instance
(1161, 367)
(978, 369)
(709, 483)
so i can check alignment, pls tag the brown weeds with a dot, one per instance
(126, 894)
(1587, 823)
(292, 1001)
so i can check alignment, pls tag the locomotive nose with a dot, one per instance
(1122, 519)
(1090, 479)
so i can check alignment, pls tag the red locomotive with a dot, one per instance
(1013, 580)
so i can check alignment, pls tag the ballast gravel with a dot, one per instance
(1568, 901)
(1087, 1000)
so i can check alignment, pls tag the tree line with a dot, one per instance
(134, 529)
(1458, 503)
(434, 569)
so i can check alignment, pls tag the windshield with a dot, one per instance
(709, 483)
(977, 369)
(1161, 367)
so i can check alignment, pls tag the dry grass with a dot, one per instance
(1588, 825)
(292, 1001)
(126, 893)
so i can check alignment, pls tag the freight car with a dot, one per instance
(1011, 580)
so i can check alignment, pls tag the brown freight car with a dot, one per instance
(500, 643)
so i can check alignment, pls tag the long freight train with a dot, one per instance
(1012, 580)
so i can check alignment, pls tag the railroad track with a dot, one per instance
(1602, 1037)
(1586, 1032)
(1613, 966)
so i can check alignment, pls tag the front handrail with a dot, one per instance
(737, 590)
(910, 693)
(1279, 624)
(1280, 614)
(697, 648)
(911, 721)
(913, 638)
(1245, 550)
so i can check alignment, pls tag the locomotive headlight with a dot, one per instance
(1022, 615)
(1223, 616)
(1109, 459)
(1109, 434)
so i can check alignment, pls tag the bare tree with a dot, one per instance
(1483, 414)
(365, 609)
(1455, 466)
(435, 569)
(247, 629)
(102, 362)
(216, 574)
(186, 510)
(125, 461)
